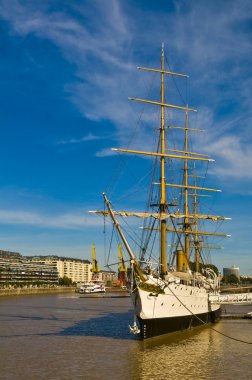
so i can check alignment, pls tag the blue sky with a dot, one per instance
(67, 69)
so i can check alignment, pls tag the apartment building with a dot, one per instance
(77, 270)
(16, 269)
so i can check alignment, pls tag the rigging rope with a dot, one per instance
(123, 162)
(204, 323)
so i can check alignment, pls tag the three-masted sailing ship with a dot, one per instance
(175, 295)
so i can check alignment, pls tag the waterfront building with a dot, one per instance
(104, 276)
(16, 270)
(77, 270)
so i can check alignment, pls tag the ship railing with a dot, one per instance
(231, 298)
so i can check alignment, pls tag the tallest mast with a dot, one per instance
(162, 170)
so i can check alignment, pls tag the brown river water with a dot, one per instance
(68, 337)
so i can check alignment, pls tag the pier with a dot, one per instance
(236, 316)
(232, 298)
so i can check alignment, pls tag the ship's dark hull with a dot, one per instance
(160, 326)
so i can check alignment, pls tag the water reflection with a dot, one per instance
(62, 337)
(201, 354)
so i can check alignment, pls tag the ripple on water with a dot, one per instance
(66, 337)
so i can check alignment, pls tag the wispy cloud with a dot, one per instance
(89, 137)
(236, 158)
(67, 221)
(97, 42)
(100, 40)
(105, 153)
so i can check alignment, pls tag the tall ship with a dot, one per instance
(173, 286)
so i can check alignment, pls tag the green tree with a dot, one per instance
(65, 281)
(202, 266)
(213, 267)
(230, 279)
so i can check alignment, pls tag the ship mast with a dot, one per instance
(186, 207)
(189, 217)
(162, 171)
(195, 209)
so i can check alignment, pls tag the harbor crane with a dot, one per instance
(122, 268)
(95, 268)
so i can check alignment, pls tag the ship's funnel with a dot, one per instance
(181, 261)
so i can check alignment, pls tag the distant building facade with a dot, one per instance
(18, 270)
(233, 270)
(104, 276)
(77, 270)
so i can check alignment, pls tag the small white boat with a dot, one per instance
(91, 287)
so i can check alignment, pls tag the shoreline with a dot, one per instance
(28, 291)
(41, 290)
